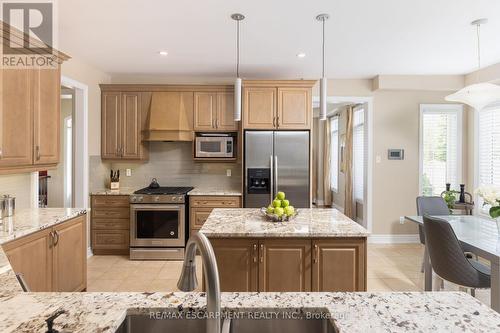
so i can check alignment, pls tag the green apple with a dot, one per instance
(285, 203)
(289, 210)
(276, 203)
(270, 209)
(280, 195)
(279, 211)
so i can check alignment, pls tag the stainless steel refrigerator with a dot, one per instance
(277, 161)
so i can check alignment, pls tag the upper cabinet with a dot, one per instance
(214, 111)
(122, 124)
(277, 105)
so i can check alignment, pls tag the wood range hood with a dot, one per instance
(170, 117)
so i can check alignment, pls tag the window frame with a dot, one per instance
(335, 188)
(359, 108)
(440, 109)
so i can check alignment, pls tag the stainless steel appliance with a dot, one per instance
(212, 145)
(158, 222)
(277, 161)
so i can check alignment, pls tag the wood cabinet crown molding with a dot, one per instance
(279, 83)
(122, 87)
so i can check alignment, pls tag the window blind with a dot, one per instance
(440, 144)
(489, 148)
(358, 144)
(334, 153)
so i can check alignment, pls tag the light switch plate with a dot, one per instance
(128, 172)
(378, 159)
(401, 220)
(228, 172)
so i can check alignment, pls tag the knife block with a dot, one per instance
(115, 185)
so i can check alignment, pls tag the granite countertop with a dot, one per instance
(23, 223)
(309, 222)
(350, 312)
(121, 191)
(215, 191)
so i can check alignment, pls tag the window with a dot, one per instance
(440, 148)
(358, 146)
(334, 153)
(488, 133)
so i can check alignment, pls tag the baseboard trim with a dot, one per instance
(394, 239)
(89, 252)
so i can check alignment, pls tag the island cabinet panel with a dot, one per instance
(53, 259)
(110, 225)
(339, 265)
(237, 264)
(31, 256)
(284, 265)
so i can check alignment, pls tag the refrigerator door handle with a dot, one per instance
(271, 178)
(275, 174)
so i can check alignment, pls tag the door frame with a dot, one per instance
(368, 181)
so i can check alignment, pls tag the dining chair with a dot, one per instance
(448, 259)
(429, 206)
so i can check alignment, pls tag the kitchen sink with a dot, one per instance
(150, 324)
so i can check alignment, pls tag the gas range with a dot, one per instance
(160, 195)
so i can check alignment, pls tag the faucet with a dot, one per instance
(188, 282)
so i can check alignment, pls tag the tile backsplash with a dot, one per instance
(172, 164)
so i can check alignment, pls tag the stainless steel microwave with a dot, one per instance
(212, 145)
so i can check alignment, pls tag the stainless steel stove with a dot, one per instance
(158, 222)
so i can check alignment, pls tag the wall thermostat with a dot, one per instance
(396, 154)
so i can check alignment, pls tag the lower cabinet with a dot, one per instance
(54, 259)
(200, 208)
(291, 265)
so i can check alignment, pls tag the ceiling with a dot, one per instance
(364, 37)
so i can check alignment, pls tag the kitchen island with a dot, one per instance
(319, 250)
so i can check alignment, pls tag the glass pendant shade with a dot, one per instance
(322, 98)
(477, 95)
(237, 99)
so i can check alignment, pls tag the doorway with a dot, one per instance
(336, 186)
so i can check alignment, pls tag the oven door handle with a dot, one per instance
(154, 206)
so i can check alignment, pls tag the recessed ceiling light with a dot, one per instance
(301, 55)
(163, 53)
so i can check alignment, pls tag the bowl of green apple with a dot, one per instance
(280, 209)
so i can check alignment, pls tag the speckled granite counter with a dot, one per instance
(215, 191)
(350, 312)
(25, 222)
(249, 222)
(121, 191)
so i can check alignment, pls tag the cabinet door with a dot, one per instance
(339, 265)
(47, 115)
(284, 265)
(237, 264)
(259, 108)
(131, 126)
(32, 257)
(110, 125)
(16, 118)
(198, 217)
(294, 108)
(205, 111)
(225, 112)
(70, 256)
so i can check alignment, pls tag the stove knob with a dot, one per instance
(133, 199)
(157, 198)
(175, 198)
(139, 199)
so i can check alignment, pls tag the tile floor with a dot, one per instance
(390, 268)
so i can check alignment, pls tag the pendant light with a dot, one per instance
(237, 83)
(477, 95)
(323, 82)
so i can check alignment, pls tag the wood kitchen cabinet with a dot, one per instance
(349, 271)
(284, 265)
(122, 123)
(214, 111)
(291, 265)
(53, 259)
(200, 208)
(110, 224)
(277, 105)
(237, 263)
(29, 119)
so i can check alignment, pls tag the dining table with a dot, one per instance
(478, 235)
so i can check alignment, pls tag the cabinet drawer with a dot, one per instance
(215, 202)
(110, 224)
(110, 201)
(111, 213)
(110, 239)
(199, 216)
